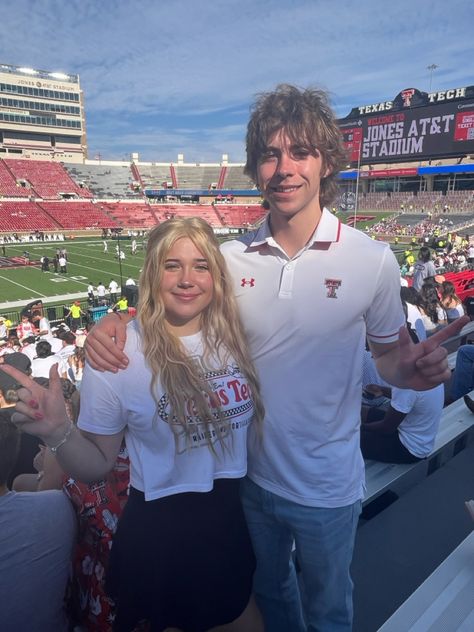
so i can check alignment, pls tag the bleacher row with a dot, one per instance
(83, 215)
(421, 202)
(445, 601)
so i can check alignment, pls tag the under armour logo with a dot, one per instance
(245, 282)
(332, 285)
(407, 96)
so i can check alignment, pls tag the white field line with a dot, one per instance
(58, 275)
(23, 286)
(134, 266)
(103, 272)
(49, 299)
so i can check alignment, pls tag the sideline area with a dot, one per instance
(51, 299)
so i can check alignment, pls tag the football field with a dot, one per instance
(87, 262)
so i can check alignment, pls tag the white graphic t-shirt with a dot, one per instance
(165, 460)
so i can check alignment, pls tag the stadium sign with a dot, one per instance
(414, 126)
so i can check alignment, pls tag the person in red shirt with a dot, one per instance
(25, 328)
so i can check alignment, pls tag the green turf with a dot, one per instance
(87, 262)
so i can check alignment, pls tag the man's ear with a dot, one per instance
(327, 172)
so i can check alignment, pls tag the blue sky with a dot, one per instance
(163, 77)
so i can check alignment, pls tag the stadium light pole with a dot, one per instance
(119, 252)
(357, 185)
(432, 68)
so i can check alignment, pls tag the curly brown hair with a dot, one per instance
(308, 119)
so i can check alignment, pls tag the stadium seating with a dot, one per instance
(240, 214)
(236, 179)
(24, 216)
(197, 177)
(455, 429)
(131, 214)
(9, 187)
(206, 211)
(49, 180)
(78, 215)
(444, 601)
(155, 176)
(104, 181)
(463, 282)
(111, 186)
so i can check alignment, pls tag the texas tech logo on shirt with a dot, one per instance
(230, 393)
(332, 285)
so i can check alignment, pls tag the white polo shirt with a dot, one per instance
(307, 319)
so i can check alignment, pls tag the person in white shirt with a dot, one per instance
(3, 329)
(184, 407)
(41, 323)
(45, 359)
(101, 293)
(113, 289)
(406, 432)
(68, 346)
(470, 253)
(29, 347)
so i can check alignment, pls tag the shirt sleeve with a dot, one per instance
(102, 411)
(385, 315)
(403, 399)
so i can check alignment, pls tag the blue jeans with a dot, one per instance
(324, 540)
(463, 378)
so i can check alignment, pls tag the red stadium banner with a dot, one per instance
(464, 126)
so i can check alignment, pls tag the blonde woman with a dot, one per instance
(181, 558)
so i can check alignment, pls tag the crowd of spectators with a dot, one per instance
(446, 256)
(79, 531)
(426, 228)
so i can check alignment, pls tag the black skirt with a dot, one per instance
(182, 561)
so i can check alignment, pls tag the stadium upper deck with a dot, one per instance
(41, 115)
(36, 195)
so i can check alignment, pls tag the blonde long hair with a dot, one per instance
(222, 332)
